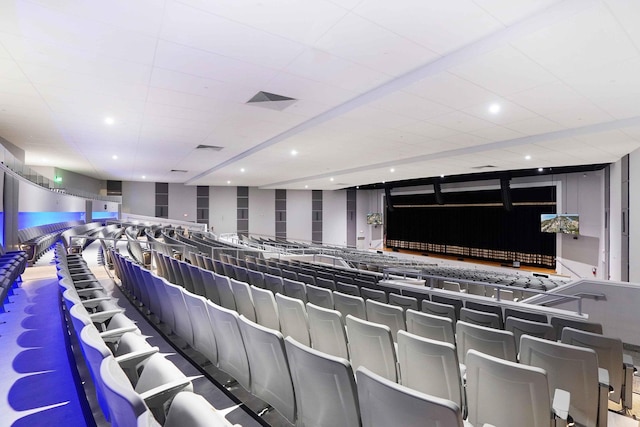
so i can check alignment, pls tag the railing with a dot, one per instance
(150, 220)
(20, 169)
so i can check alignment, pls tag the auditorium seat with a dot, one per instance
(386, 314)
(255, 278)
(526, 315)
(503, 393)
(349, 304)
(244, 301)
(183, 323)
(481, 318)
(611, 358)
(326, 329)
(320, 296)
(487, 308)
(295, 289)
(307, 278)
(371, 345)
(204, 339)
(270, 376)
(293, 319)
(430, 326)
(227, 300)
(210, 286)
(406, 302)
(192, 410)
(521, 327)
(574, 369)
(348, 289)
(274, 283)
(167, 317)
(324, 385)
(373, 294)
(439, 309)
(431, 367)
(559, 323)
(384, 403)
(456, 303)
(197, 280)
(232, 356)
(325, 283)
(490, 341)
(266, 308)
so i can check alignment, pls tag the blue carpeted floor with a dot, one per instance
(37, 381)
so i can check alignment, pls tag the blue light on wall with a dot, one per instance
(2, 227)
(104, 215)
(32, 219)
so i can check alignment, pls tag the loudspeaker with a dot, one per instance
(437, 191)
(505, 193)
(387, 194)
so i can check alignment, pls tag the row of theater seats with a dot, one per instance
(322, 328)
(135, 385)
(307, 387)
(36, 241)
(12, 265)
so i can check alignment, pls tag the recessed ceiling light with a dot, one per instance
(114, 157)
(357, 187)
(494, 108)
(442, 176)
(144, 177)
(527, 157)
(109, 120)
(540, 169)
(331, 179)
(383, 182)
(392, 170)
(306, 186)
(241, 169)
(294, 153)
(228, 182)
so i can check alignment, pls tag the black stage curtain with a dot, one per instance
(467, 219)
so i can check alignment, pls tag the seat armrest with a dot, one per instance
(94, 302)
(560, 404)
(603, 378)
(627, 387)
(114, 334)
(135, 357)
(605, 389)
(103, 316)
(157, 396)
(83, 291)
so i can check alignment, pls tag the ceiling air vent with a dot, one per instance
(484, 167)
(271, 101)
(179, 170)
(209, 147)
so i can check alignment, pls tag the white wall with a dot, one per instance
(33, 198)
(262, 212)
(223, 205)
(182, 202)
(334, 217)
(634, 215)
(139, 198)
(298, 215)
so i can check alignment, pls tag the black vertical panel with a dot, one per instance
(243, 211)
(162, 200)
(624, 220)
(11, 205)
(351, 218)
(281, 214)
(316, 216)
(202, 204)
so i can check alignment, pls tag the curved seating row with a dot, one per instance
(12, 265)
(247, 299)
(135, 385)
(36, 241)
(305, 386)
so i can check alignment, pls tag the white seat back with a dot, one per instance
(490, 341)
(227, 300)
(569, 368)
(521, 327)
(326, 329)
(270, 377)
(349, 304)
(371, 346)
(193, 410)
(385, 403)
(324, 385)
(266, 308)
(204, 339)
(430, 326)
(386, 314)
(430, 367)
(293, 319)
(320, 296)
(183, 323)
(481, 318)
(244, 301)
(503, 393)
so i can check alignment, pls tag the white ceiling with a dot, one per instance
(405, 86)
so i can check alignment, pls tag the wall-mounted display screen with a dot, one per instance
(560, 223)
(374, 218)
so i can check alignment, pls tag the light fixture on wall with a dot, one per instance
(57, 179)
